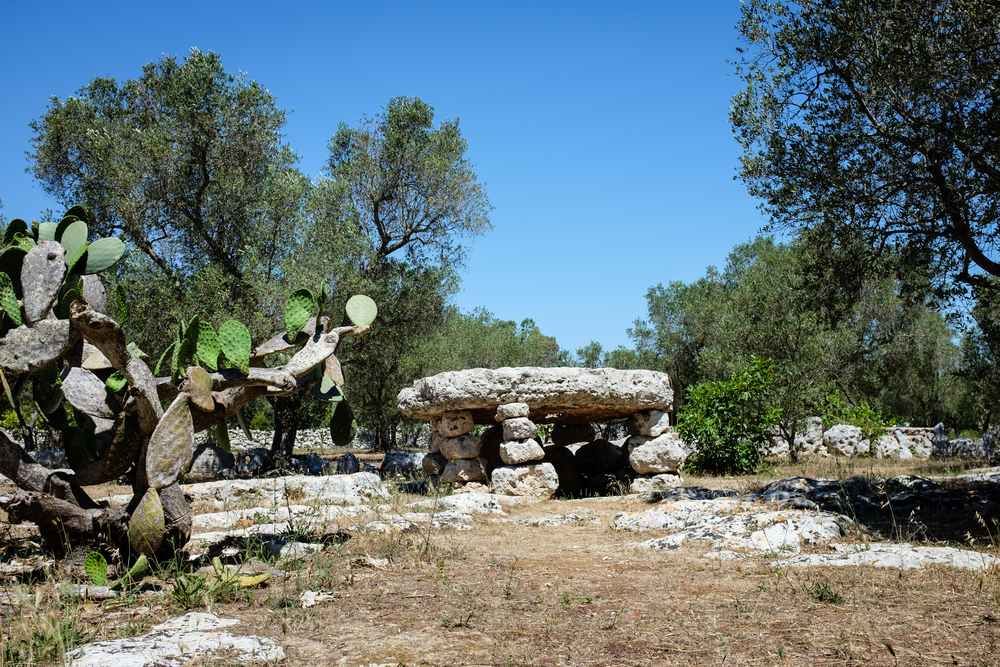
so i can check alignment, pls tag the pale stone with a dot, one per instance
(518, 428)
(845, 440)
(539, 480)
(889, 447)
(453, 424)
(902, 556)
(652, 423)
(209, 464)
(463, 470)
(177, 642)
(659, 455)
(511, 410)
(555, 394)
(661, 482)
(463, 447)
(521, 451)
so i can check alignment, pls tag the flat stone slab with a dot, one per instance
(552, 394)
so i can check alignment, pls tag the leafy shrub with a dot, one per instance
(871, 421)
(729, 421)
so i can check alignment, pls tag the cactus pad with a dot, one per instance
(234, 340)
(200, 388)
(207, 347)
(16, 226)
(8, 300)
(87, 393)
(172, 444)
(47, 231)
(362, 310)
(74, 238)
(147, 526)
(103, 253)
(299, 307)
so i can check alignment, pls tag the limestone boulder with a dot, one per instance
(652, 423)
(538, 480)
(664, 454)
(514, 452)
(661, 482)
(552, 394)
(845, 440)
(512, 410)
(347, 464)
(463, 470)
(453, 424)
(889, 447)
(434, 464)
(463, 447)
(402, 464)
(518, 428)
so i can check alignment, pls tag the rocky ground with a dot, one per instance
(802, 566)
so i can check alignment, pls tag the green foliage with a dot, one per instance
(871, 421)
(96, 567)
(729, 421)
(207, 347)
(822, 591)
(116, 382)
(8, 300)
(299, 307)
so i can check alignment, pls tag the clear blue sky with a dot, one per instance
(599, 129)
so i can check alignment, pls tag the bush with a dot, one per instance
(730, 421)
(871, 421)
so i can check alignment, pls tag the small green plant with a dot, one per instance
(871, 421)
(823, 592)
(730, 421)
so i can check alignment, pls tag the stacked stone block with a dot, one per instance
(655, 452)
(524, 473)
(454, 450)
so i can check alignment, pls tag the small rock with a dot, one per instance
(463, 470)
(252, 462)
(661, 482)
(525, 451)
(402, 464)
(465, 446)
(539, 480)
(845, 440)
(308, 464)
(347, 464)
(453, 424)
(901, 556)
(652, 423)
(209, 464)
(511, 410)
(312, 598)
(434, 464)
(518, 428)
(568, 434)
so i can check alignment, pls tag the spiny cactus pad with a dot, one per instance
(47, 231)
(147, 525)
(234, 340)
(74, 239)
(362, 310)
(103, 253)
(172, 444)
(8, 300)
(301, 305)
(207, 348)
(200, 387)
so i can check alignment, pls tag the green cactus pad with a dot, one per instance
(74, 238)
(207, 348)
(147, 526)
(96, 567)
(63, 224)
(301, 305)
(116, 382)
(199, 386)
(362, 310)
(16, 226)
(159, 362)
(103, 253)
(47, 231)
(188, 347)
(22, 242)
(8, 300)
(234, 340)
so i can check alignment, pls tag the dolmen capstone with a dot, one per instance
(485, 428)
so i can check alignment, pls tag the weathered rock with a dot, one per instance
(252, 462)
(963, 448)
(463, 470)
(582, 517)
(309, 464)
(599, 457)
(51, 457)
(41, 277)
(518, 428)
(209, 464)
(568, 434)
(511, 410)
(538, 480)
(472, 502)
(465, 446)
(489, 451)
(652, 423)
(434, 464)
(919, 441)
(521, 451)
(402, 464)
(554, 394)
(661, 482)
(845, 440)
(453, 424)
(902, 556)
(330, 489)
(24, 350)
(176, 642)
(571, 482)
(659, 455)
(889, 447)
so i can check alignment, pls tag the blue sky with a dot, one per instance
(599, 129)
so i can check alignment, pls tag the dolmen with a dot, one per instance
(531, 431)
